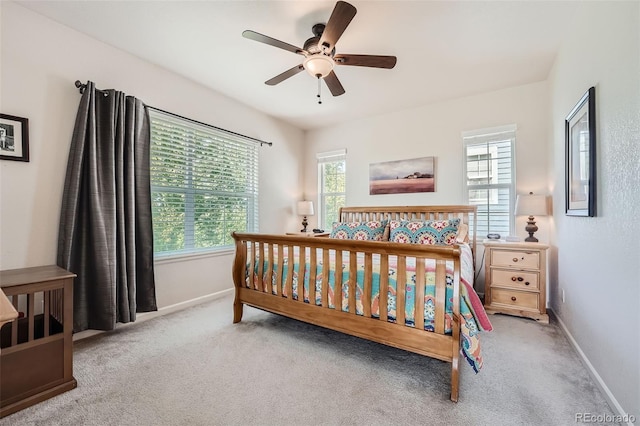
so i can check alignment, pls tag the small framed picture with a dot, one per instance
(580, 138)
(14, 138)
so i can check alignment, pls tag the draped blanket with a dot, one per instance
(473, 316)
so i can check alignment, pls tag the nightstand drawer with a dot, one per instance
(513, 258)
(514, 298)
(515, 279)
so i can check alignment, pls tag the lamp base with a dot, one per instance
(304, 224)
(531, 228)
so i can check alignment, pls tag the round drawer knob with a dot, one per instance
(513, 278)
(520, 279)
(515, 259)
(526, 283)
(513, 298)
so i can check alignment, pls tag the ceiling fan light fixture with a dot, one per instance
(319, 64)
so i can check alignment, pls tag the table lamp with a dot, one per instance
(305, 208)
(531, 205)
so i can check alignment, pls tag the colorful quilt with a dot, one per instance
(473, 316)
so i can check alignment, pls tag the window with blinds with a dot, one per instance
(204, 185)
(490, 178)
(332, 186)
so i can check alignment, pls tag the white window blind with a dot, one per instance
(490, 178)
(204, 185)
(332, 186)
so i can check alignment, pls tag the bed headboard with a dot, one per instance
(466, 213)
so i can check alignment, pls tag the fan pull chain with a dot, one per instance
(319, 88)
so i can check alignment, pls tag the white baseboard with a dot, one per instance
(161, 311)
(611, 399)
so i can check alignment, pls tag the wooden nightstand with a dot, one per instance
(309, 234)
(516, 279)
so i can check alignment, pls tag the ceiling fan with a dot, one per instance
(320, 51)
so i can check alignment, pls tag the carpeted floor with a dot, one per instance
(195, 367)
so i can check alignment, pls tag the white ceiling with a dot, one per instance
(445, 50)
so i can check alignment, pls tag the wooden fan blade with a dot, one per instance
(374, 61)
(341, 16)
(285, 75)
(252, 35)
(333, 84)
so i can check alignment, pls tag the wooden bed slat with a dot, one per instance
(353, 281)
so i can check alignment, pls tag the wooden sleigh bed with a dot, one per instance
(351, 256)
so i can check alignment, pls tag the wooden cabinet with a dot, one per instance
(36, 350)
(515, 279)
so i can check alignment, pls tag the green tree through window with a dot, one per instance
(332, 186)
(204, 185)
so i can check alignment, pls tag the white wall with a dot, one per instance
(596, 261)
(435, 130)
(40, 61)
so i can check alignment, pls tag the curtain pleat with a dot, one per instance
(105, 234)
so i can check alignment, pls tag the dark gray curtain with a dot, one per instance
(105, 234)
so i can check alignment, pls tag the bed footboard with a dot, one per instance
(265, 277)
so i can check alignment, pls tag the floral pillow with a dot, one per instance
(432, 232)
(363, 231)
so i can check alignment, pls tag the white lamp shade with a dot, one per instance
(318, 64)
(531, 205)
(305, 208)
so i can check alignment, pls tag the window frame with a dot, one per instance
(485, 137)
(190, 190)
(322, 159)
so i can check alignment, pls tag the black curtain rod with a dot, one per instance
(82, 86)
